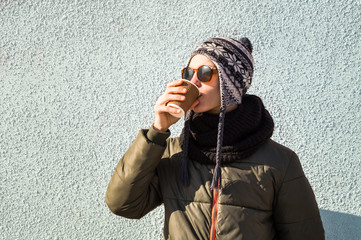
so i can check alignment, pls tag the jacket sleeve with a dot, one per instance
(296, 213)
(133, 190)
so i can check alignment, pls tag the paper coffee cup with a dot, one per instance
(191, 95)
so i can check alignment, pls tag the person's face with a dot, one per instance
(209, 98)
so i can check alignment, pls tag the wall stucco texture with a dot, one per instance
(78, 79)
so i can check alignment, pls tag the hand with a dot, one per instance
(163, 119)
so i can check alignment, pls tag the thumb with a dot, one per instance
(196, 102)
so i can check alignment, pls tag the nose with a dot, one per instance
(196, 81)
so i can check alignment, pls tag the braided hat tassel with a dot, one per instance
(217, 177)
(184, 168)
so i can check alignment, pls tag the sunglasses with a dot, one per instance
(204, 73)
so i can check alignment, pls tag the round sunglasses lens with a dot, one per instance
(187, 73)
(205, 74)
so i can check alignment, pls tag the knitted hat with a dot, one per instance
(234, 62)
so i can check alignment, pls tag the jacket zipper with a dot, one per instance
(214, 214)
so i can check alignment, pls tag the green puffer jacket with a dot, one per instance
(265, 196)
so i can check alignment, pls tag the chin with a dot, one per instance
(198, 109)
(204, 106)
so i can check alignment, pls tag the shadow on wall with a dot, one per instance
(341, 225)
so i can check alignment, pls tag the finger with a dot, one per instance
(179, 90)
(169, 97)
(167, 109)
(196, 102)
(175, 83)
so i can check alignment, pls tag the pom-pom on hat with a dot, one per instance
(234, 62)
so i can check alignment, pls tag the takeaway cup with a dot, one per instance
(191, 95)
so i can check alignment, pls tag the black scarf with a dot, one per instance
(246, 128)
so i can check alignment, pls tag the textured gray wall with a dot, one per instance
(78, 79)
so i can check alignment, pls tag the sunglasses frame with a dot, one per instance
(195, 70)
